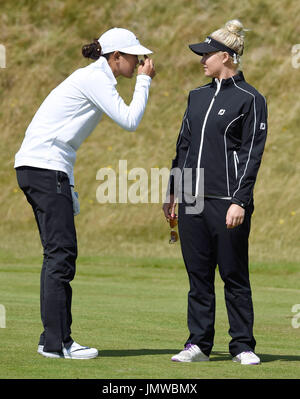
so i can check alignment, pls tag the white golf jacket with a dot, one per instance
(71, 112)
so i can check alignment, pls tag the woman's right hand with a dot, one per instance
(146, 67)
(169, 208)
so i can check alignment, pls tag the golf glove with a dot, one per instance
(76, 205)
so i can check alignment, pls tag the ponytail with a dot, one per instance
(92, 50)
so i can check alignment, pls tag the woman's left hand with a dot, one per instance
(235, 216)
(169, 208)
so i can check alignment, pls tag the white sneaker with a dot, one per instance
(49, 354)
(77, 351)
(246, 358)
(191, 353)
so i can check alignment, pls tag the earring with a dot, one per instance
(235, 59)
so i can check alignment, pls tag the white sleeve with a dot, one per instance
(102, 92)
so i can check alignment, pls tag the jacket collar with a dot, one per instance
(229, 81)
(102, 64)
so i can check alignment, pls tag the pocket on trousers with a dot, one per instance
(58, 181)
(63, 184)
(22, 177)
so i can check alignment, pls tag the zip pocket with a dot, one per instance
(236, 162)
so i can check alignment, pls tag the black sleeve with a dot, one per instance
(254, 136)
(182, 146)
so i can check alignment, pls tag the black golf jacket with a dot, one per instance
(223, 131)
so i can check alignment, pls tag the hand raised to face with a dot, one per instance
(146, 67)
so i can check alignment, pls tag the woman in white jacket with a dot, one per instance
(45, 162)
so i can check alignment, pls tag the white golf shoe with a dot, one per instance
(191, 353)
(246, 358)
(49, 354)
(77, 351)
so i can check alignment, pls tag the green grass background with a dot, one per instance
(43, 44)
(130, 290)
(134, 311)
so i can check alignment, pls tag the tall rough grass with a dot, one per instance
(43, 43)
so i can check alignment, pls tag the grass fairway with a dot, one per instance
(134, 312)
(133, 309)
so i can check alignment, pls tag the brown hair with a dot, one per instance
(92, 50)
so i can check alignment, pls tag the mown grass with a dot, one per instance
(43, 42)
(134, 311)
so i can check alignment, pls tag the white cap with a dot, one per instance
(119, 39)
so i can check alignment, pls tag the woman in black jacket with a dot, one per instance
(221, 142)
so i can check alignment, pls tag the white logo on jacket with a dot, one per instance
(262, 126)
(221, 112)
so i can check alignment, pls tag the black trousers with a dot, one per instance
(49, 194)
(206, 242)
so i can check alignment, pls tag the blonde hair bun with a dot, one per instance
(235, 26)
(232, 35)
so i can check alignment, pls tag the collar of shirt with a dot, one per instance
(229, 81)
(102, 64)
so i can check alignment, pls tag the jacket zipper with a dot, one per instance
(236, 162)
(180, 181)
(202, 135)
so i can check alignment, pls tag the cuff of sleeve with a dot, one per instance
(238, 202)
(171, 185)
(71, 180)
(144, 77)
